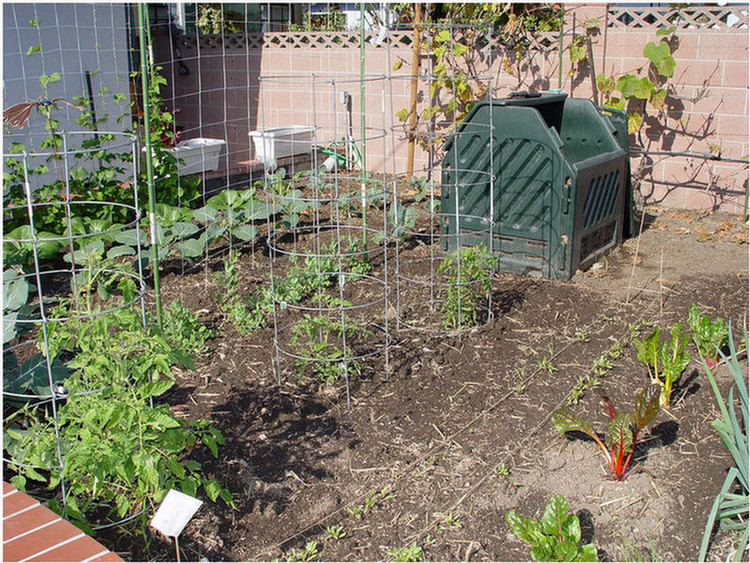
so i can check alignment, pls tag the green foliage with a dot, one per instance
(332, 20)
(709, 336)
(183, 331)
(320, 341)
(119, 452)
(665, 360)
(336, 532)
(309, 553)
(730, 508)
(555, 537)
(637, 92)
(371, 502)
(411, 552)
(622, 430)
(469, 275)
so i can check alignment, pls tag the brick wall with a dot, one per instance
(224, 96)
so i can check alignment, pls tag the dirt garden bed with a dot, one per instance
(460, 432)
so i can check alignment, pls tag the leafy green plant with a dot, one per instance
(546, 364)
(407, 553)
(635, 92)
(336, 532)
(308, 553)
(665, 360)
(554, 537)
(318, 339)
(623, 428)
(709, 336)
(120, 452)
(183, 331)
(730, 507)
(469, 278)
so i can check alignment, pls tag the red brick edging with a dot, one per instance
(32, 532)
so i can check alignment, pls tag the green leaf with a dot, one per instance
(646, 406)
(619, 433)
(661, 57)
(182, 230)
(554, 515)
(121, 250)
(665, 31)
(658, 98)
(656, 53)
(213, 489)
(245, 233)
(156, 388)
(189, 486)
(635, 121)
(15, 294)
(34, 49)
(205, 214)
(402, 114)
(565, 421)
(176, 468)
(615, 103)
(587, 553)
(525, 529)
(190, 248)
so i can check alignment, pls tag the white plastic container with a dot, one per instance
(279, 142)
(199, 155)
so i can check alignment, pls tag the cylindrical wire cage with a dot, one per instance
(102, 271)
(328, 248)
(443, 273)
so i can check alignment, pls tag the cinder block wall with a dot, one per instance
(230, 90)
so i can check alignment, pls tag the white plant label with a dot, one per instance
(174, 513)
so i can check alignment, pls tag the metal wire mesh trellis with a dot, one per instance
(40, 296)
(329, 256)
(442, 284)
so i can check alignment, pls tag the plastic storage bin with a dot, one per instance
(562, 193)
(280, 142)
(198, 155)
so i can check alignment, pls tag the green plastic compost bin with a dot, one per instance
(562, 194)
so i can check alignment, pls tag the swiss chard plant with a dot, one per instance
(555, 537)
(623, 429)
(709, 336)
(666, 360)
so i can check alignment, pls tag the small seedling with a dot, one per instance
(411, 552)
(450, 520)
(622, 429)
(583, 335)
(335, 532)
(501, 469)
(308, 553)
(547, 365)
(556, 537)
(372, 500)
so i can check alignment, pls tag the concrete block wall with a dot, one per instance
(224, 95)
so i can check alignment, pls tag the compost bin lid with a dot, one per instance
(548, 104)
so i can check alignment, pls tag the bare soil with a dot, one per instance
(459, 434)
